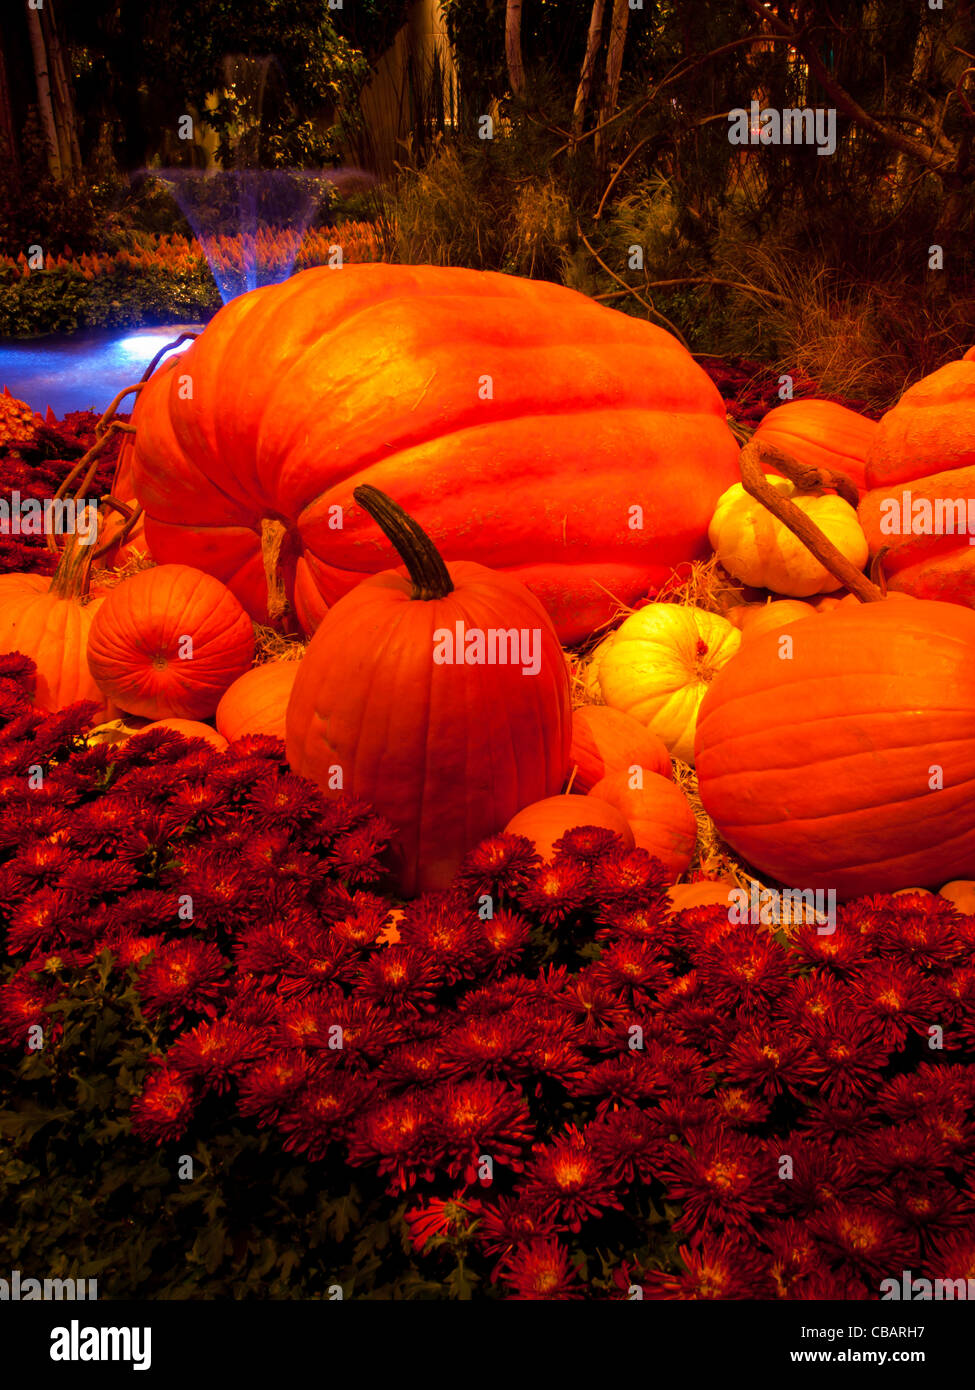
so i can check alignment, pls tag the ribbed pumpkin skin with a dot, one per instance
(816, 769)
(822, 434)
(606, 740)
(135, 643)
(925, 446)
(371, 374)
(257, 702)
(447, 753)
(53, 632)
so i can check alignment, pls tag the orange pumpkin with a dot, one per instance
(606, 740)
(409, 697)
(545, 821)
(168, 642)
(769, 617)
(703, 893)
(257, 702)
(658, 813)
(821, 770)
(921, 474)
(49, 621)
(189, 728)
(462, 392)
(14, 585)
(961, 892)
(821, 434)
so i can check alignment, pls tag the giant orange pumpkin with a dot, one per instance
(411, 697)
(168, 642)
(821, 434)
(588, 444)
(921, 476)
(49, 620)
(818, 767)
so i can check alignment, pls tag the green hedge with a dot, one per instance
(63, 300)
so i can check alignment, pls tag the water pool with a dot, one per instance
(81, 371)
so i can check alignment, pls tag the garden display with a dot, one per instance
(487, 692)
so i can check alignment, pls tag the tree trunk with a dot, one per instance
(584, 89)
(44, 105)
(614, 69)
(8, 128)
(63, 100)
(512, 47)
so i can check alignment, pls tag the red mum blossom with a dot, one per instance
(567, 1179)
(631, 970)
(552, 1051)
(839, 951)
(934, 1209)
(356, 855)
(593, 1007)
(23, 1005)
(829, 1121)
(913, 1152)
(418, 1063)
(490, 1042)
(864, 1240)
(446, 932)
(42, 922)
(769, 1064)
(628, 1080)
(736, 1107)
(921, 933)
(954, 1258)
(92, 880)
(505, 936)
(541, 1271)
(324, 1113)
(163, 1110)
(185, 977)
(358, 919)
(811, 1000)
(719, 1267)
(441, 1218)
(834, 1286)
(629, 1144)
(724, 1181)
(512, 1221)
(499, 866)
(271, 1084)
(896, 997)
(38, 864)
(587, 844)
(848, 1055)
(744, 972)
(928, 1090)
(212, 1052)
(395, 1132)
(200, 804)
(629, 876)
(648, 923)
(822, 1174)
(128, 947)
(556, 890)
(284, 801)
(480, 1118)
(399, 978)
(793, 1256)
(218, 884)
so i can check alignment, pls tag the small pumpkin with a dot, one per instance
(606, 740)
(960, 891)
(821, 434)
(257, 702)
(50, 622)
(703, 893)
(659, 666)
(755, 547)
(392, 705)
(545, 821)
(168, 642)
(769, 617)
(658, 813)
(189, 728)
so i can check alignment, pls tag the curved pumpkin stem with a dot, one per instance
(421, 557)
(750, 462)
(72, 576)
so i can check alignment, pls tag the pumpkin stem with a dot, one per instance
(72, 576)
(750, 461)
(421, 557)
(273, 534)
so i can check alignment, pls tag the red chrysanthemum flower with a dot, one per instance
(848, 1055)
(447, 933)
(769, 1064)
(499, 866)
(724, 1181)
(198, 804)
(629, 1144)
(593, 1007)
(864, 1240)
(810, 1000)
(213, 1052)
(324, 1113)
(552, 1051)
(356, 855)
(127, 946)
(631, 970)
(284, 801)
(398, 978)
(38, 864)
(744, 972)
(839, 951)
(921, 933)
(395, 1132)
(912, 1152)
(719, 1267)
(628, 876)
(895, 997)
(93, 880)
(441, 1217)
(568, 1179)
(738, 1108)
(541, 1271)
(358, 919)
(793, 1255)
(509, 1222)
(219, 885)
(927, 1091)
(184, 977)
(506, 936)
(269, 1085)
(822, 1174)
(477, 1119)
(587, 844)
(163, 1110)
(416, 1063)
(42, 922)
(488, 1043)
(556, 891)
(23, 1005)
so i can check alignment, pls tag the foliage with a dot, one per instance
(678, 1105)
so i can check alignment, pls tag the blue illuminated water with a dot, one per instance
(81, 371)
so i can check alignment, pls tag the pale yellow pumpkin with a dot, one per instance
(659, 667)
(755, 547)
